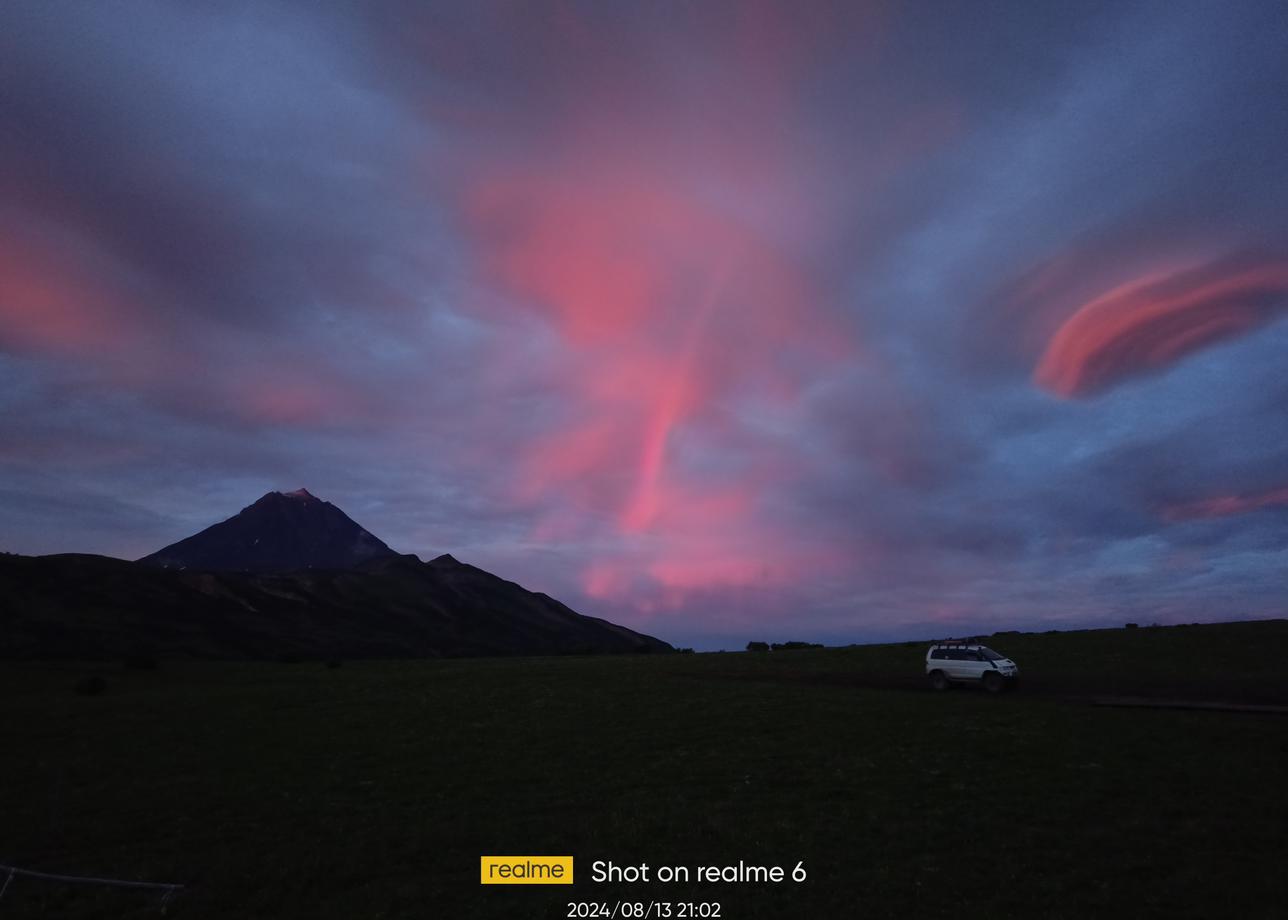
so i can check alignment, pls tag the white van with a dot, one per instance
(961, 661)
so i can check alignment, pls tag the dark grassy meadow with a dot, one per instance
(293, 790)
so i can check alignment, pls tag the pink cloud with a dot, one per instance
(1226, 505)
(65, 300)
(665, 245)
(1155, 320)
(58, 299)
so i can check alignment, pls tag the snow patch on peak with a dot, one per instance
(299, 493)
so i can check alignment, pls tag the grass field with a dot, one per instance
(293, 791)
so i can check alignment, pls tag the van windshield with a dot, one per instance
(991, 655)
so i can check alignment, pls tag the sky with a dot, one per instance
(739, 321)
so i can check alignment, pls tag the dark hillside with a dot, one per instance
(94, 607)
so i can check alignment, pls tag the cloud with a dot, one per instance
(683, 306)
(1147, 324)
(1226, 505)
(59, 295)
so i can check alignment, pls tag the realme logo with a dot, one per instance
(526, 870)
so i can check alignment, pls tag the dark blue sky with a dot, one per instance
(724, 321)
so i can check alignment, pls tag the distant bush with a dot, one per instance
(684, 651)
(792, 646)
(1132, 626)
(91, 686)
(334, 663)
(757, 646)
(138, 661)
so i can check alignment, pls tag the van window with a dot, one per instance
(939, 654)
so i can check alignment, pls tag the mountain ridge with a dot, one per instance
(289, 576)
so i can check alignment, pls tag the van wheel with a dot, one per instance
(938, 681)
(993, 682)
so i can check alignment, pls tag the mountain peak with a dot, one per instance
(299, 495)
(282, 532)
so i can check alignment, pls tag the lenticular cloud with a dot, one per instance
(1151, 322)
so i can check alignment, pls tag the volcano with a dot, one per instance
(282, 532)
(290, 576)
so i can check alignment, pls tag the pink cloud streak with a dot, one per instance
(1226, 505)
(1155, 320)
(677, 309)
